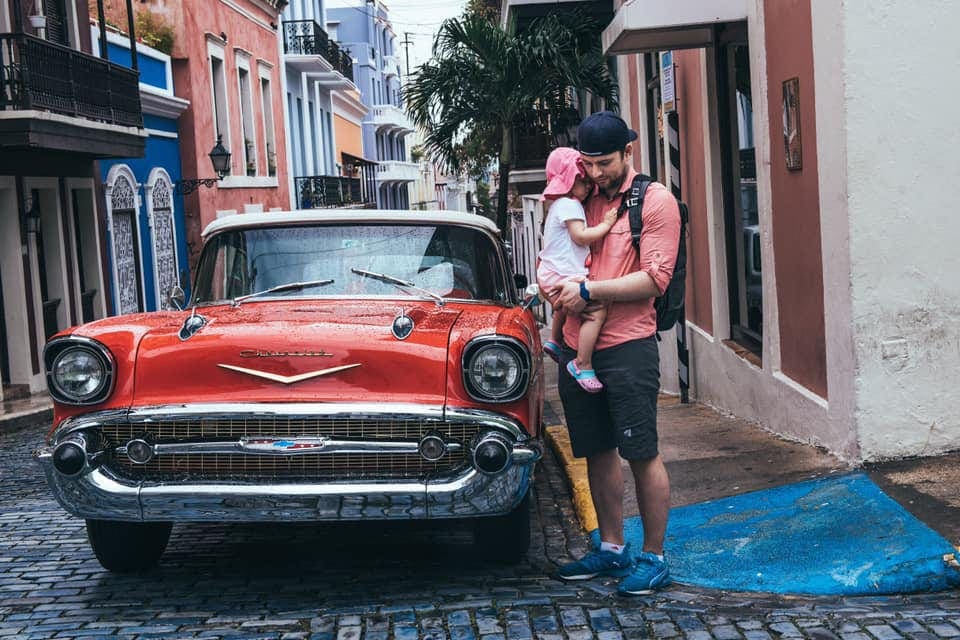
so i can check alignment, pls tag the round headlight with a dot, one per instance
(79, 374)
(495, 370)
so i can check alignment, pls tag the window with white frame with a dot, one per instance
(221, 120)
(246, 113)
(266, 99)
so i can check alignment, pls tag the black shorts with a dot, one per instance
(624, 414)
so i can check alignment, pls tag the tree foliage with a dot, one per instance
(481, 79)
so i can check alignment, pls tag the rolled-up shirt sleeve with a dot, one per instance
(661, 235)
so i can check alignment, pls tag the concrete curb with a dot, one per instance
(576, 472)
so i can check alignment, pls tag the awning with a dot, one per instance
(357, 161)
(661, 25)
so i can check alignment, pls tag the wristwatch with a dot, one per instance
(583, 291)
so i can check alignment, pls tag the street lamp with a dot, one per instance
(220, 158)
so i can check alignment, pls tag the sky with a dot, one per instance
(418, 18)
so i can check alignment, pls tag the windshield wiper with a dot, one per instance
(397, 282)
(290, 286)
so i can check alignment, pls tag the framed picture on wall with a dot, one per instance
(792, 144)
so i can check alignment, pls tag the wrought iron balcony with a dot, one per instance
(306, 37)
(322, 192)
(37, 74)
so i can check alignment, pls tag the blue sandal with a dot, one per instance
(552, 349)
(586, 378)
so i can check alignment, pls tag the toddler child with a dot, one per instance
(565, 254)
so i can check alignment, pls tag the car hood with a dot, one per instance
(307, 351)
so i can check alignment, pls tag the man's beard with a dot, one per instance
(613, 188)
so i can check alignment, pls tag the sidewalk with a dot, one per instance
(711, 458)
(21, 412)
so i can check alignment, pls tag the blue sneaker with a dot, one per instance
(598, 563)
(649, 574)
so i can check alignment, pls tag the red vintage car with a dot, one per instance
(330, 365)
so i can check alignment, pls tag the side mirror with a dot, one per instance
(531, 296)
(175, 298)
(520, 280)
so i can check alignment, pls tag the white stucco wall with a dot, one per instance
(901, 66)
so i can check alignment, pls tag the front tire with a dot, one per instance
(124, 547)
(505, 538)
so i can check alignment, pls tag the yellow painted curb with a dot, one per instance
(576, 470)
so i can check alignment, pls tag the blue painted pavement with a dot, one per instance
(839, 535)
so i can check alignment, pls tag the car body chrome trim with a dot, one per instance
(226, 411)
(100, 494)
(276, 446)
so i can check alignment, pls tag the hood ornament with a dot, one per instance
(276, 377)
(192, 324)
(402, 326)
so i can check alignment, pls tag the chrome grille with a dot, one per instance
(303, 467)
(339, 428)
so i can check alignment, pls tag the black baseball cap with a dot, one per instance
(603, 132)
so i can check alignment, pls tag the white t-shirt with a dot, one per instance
(560, 254)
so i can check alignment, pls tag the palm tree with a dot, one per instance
(482, 79)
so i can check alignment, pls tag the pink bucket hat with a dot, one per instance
(563, 166)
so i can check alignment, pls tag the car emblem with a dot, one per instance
(402, 326)
(283, 445)
(276, 377)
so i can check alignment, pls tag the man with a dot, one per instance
(621, 421)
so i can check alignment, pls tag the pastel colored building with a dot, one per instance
(366, 32)
(62, 108)
(227, 63)
(146, 234)
(813, 143)
(323, 113)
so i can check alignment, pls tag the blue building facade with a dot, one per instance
(146, 237)
(365, 31)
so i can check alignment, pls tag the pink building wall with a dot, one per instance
(796, 198)
(197, 23)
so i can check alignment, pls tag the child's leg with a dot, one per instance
(556, 326)
(589, 332)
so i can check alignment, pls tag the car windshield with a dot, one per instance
(445, 260)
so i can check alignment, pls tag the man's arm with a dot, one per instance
(633, 286)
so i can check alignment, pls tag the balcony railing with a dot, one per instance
(306, 37)
(321, 192)
(397, 171)
(36, 74)
(390, 117)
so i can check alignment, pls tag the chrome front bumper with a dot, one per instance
(99, 493)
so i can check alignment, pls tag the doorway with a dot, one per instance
(739, 184)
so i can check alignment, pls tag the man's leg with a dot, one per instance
(606, 490)
(653, 501)
(653, 497)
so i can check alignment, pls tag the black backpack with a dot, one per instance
(669, 306)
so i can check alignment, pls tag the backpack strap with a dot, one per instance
(632, 203)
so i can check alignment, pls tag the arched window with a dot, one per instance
(166, 269)
(123, 225)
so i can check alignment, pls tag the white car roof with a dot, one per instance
(347, 216)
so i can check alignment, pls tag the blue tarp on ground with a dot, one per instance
(839, 535)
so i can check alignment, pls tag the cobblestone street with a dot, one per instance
(380, 582)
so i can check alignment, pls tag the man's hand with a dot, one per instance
(568, 298)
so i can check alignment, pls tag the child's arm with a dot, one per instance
(584, 235)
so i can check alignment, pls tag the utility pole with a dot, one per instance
(406, 46)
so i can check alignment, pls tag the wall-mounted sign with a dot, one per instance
(792, 145)
(667, 94)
